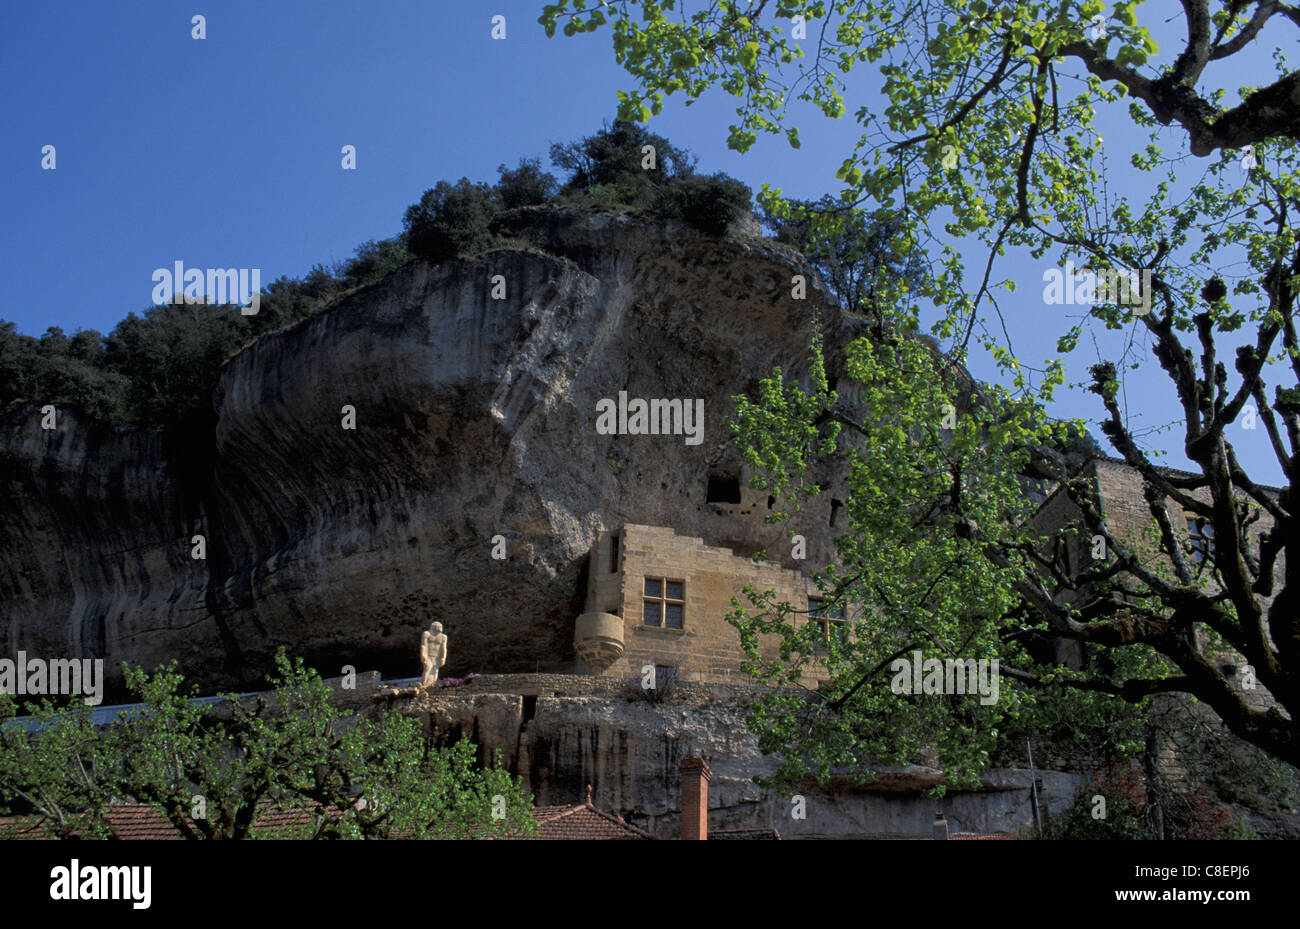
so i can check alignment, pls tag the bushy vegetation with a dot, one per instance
(622, 168)
(1117, 807)
(451, 220)
(210, 770)
(856, 253)
(159, 367)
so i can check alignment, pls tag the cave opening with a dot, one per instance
(722, 489)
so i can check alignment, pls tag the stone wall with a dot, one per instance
(706, 647)
(1183, 727)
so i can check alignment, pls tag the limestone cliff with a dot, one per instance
(474, 418)
(560, 733)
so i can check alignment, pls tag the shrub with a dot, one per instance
(710, 203)
(613, 159)
(526, 185)
(373, 261)
(1123, 795)
(1187, 814)
(451, 220)
(665, 685)
(614, 155)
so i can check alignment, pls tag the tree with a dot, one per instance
(372, 261)
(171, 357)
(852, 251)
(989, 131)
(526, 185)
(212, 770)
(616, 157)
(710, 203)
(918, 484)
(59, 771)
(450, 220)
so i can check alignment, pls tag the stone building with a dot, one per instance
(656, 598)
(1187, 744)
(1119, 491)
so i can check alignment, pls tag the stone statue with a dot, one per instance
(433, 654)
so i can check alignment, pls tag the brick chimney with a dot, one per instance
(695, 798)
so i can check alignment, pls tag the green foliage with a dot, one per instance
(1122, 794)
(451, 220)
(353, 777)
(1238, 830)
(855, 253)
(926, 463)
(988, 142)
(64, 370)
(373, 261)
(526, 185)
(1188, 815)
(616, 156)
(159, 368)
(59, 771)
(628, 168)
(709, 203)
(1212, 758)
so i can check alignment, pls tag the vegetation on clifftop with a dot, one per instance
(159, 368)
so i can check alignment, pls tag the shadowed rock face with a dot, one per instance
(579, 731)
(474, 418)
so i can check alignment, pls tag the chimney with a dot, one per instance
(695, 798)
(940, 826)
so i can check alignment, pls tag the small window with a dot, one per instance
(1201, 534)
(613, 554)
(664, 603)
(830, 617)
(819, 608)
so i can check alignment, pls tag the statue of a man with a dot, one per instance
(433, 653)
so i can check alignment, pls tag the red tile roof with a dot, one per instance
(583, 821)
(140, 821)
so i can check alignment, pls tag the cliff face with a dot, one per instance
(560, 734)
(475, 417)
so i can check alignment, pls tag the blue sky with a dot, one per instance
(226, 152)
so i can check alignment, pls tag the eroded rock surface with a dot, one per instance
(475, 418)
(562, 734)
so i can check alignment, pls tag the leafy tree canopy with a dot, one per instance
(210, 770)
(987, 138)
